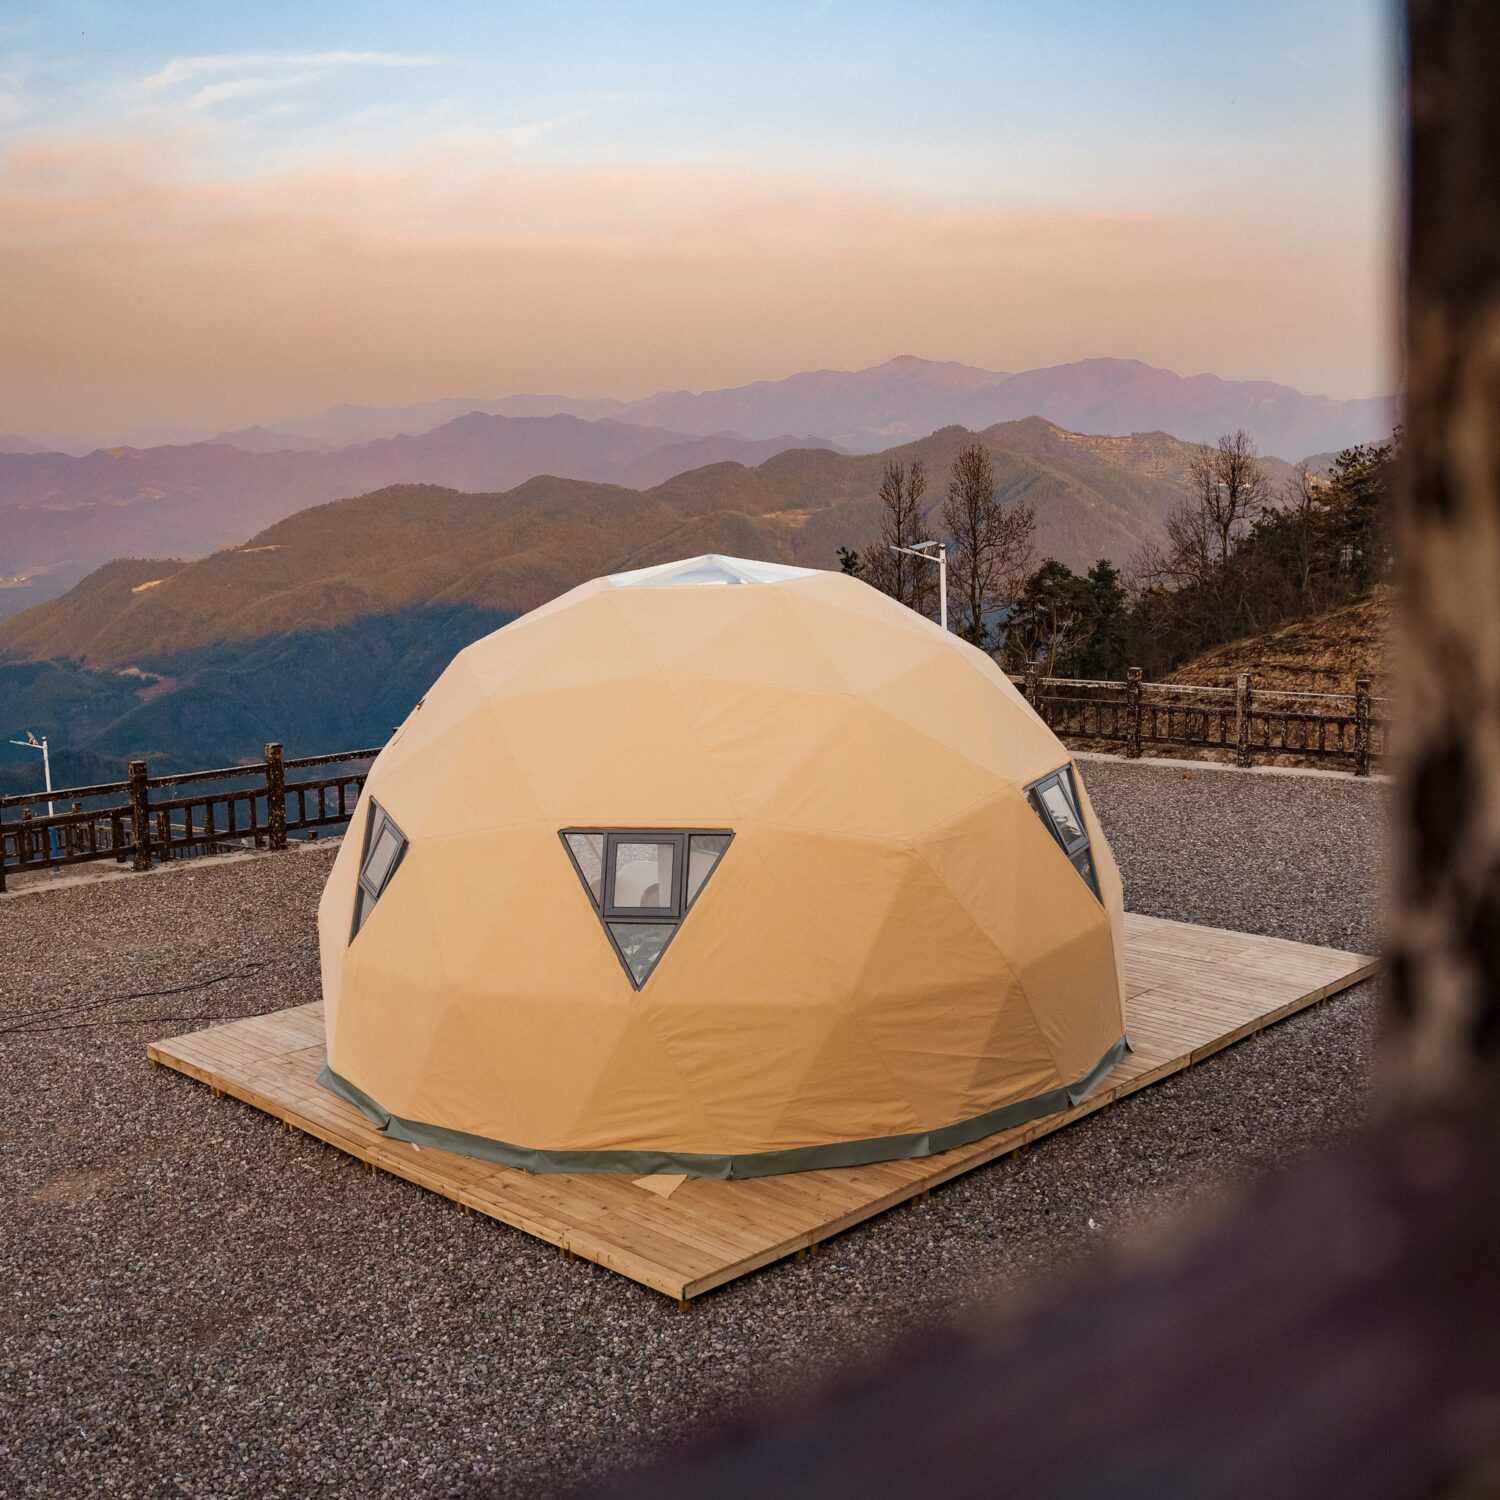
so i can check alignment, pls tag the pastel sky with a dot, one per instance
(213, 214)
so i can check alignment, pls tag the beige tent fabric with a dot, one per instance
(892, 943)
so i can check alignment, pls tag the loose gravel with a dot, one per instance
(194, 1302)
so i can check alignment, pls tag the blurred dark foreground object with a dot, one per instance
(1337, 1336)
(1339, 1333)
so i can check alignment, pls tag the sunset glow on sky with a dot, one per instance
(214, 215)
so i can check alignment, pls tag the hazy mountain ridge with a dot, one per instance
(410, 545)
(63, 514)
(269, 440)
(57, 510)
(906, 397)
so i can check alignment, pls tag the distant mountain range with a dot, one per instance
(61, 515)
(408, 545)
(908, 397)
(866, 410)
(324, 627)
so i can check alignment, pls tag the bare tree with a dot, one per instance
(1229, 487)
(990, 542)
(1195, 588)
(903, 523)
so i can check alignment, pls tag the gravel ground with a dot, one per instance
(195, 1302)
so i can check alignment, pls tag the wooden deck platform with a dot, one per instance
(1190, 992)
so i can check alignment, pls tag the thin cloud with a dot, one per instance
(182, 69)
(239, 88)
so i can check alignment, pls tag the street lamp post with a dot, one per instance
(940, 557)
(31, 742)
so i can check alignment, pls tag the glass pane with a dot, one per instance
(707, 570)
(1083, 862)
(364, 904)
(643, 875)
(382, 856)
(1070, 791)
(1060, 808)
(704, 850)
(588, 850)
(641, 944)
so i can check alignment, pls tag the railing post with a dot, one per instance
(1242, 719)
(1032, 689)
(140, 814)
(23, 838)
(275, 797)
(1362, 726)
(1133, 713)
(2, 850)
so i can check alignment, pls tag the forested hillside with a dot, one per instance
(314, 690)
(1246, 552)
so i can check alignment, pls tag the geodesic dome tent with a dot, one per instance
(720, 868)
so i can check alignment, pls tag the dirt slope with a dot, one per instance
(1322, 654)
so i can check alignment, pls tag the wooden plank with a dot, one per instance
(1191, 991)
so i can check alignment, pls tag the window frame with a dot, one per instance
(1064, 780)
(613, 838)
(375, 824)
(646, 916)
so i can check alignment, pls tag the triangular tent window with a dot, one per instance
(1055, 801)
(643, 883)
(385, 845)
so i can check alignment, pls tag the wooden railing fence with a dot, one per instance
(1253, 724)
(126, 821)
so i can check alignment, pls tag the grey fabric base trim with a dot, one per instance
(1091, 1080)
(755, 1164)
